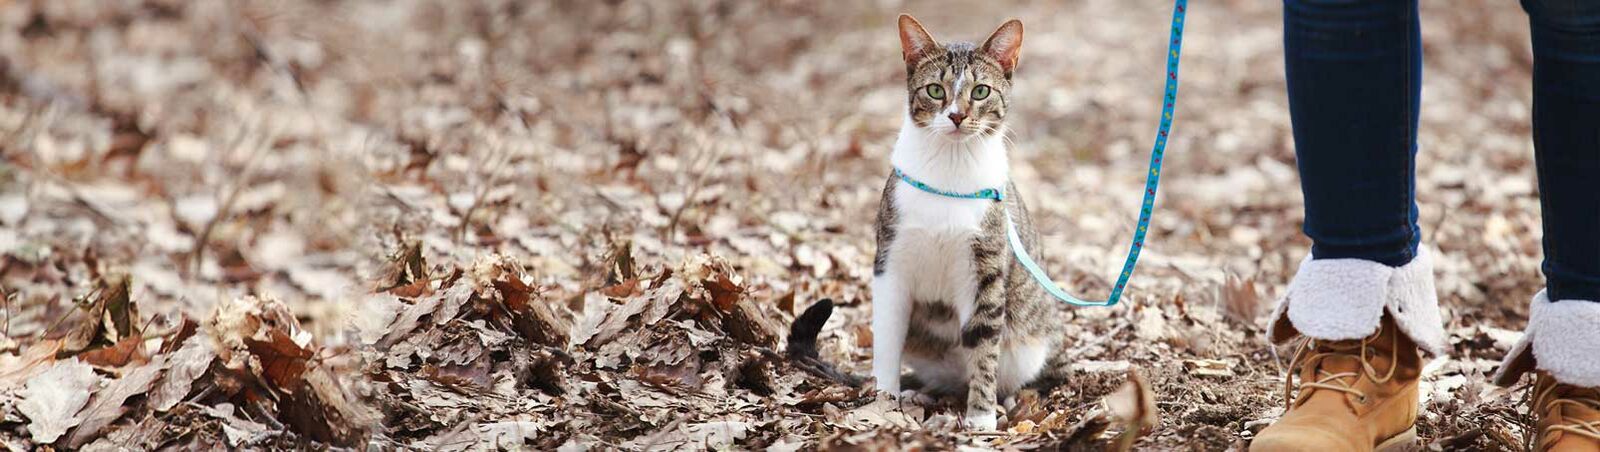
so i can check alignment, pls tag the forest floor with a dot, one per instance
(588, 224)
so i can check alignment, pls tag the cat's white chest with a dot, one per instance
(933, 246)
(931, 252)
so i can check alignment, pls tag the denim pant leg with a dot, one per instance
(1566, 136)
(1354, 70)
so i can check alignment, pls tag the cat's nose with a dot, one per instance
(957, 117)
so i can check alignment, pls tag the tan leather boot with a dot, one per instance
(1355, 395)
(1569, 416)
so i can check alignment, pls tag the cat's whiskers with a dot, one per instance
(1005, 132)
(939, 255)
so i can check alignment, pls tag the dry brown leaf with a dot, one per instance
(625, 289)
(239, 432)
(107, 404)
(406, 272)
(507, 435)
(282, 361)
(34, 359)
(322, 408)
(1028, 407)
(372, 322)
(119, 315)
(406, 321)
(186, 365)
(532, 316)
(474, 373)
(619, 262)
(717, 435)
(1240, 299)
(618, 318)
(127, 350)
(863, 334)
(112, 317)
(724, 292)
(1209, 367)
(1134, 406)
(684, 375)
(413, 290)
(52, 398)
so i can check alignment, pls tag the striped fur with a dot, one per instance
(949, 299)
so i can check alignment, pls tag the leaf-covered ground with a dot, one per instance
(498, 224)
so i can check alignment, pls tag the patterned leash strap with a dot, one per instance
(1151, 181)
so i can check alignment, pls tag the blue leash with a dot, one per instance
(1151, 182)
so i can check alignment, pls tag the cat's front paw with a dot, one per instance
(891, 389)
(982, 422)
(887, 382)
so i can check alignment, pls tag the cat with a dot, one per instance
(948, 298)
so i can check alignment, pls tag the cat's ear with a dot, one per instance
(1005, 45)
(914, 40)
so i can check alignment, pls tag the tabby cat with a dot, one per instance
(948, 298)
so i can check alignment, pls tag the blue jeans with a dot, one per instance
(1354, 72)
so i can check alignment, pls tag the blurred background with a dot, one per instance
(212, 149)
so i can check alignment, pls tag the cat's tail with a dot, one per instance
(802, 349)
(803, 333)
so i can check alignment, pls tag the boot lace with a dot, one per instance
(1579, 399)
(1314, 352)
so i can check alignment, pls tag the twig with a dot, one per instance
(483, 192)
(704, 172)
(1081, 348)
(75, 307)
(225, 209)
(693, 192)
(655, 438)
(5, 302)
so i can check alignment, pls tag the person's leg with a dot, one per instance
(1566, 136)
(1354, 72)
(1365, 296)
(1562, 340)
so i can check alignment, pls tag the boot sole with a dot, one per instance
(1406, 441)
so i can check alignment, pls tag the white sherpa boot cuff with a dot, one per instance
(1562, 338)
(1343, 299)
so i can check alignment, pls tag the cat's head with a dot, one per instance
(958, 90)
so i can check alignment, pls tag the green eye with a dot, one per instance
(980, 92)
(935, 91)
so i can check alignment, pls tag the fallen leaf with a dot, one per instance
(1134, 406)
(882, 413)
(19, 368)
(52, 398)
(717, 435)
(283, 362)
(107, 404)
(863, 336)
(239, 432)
(186, 365)
(127, 350)
(1240, 299)
(406, 322)
(405, 269)
(112, 317)
(508, 435)
(372, 322)
(1209, 367)
(1152, 325)
(625, 289)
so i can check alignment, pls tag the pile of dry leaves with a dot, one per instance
(478, 224)
(248, 376)
(475, 357)
(669, 357)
